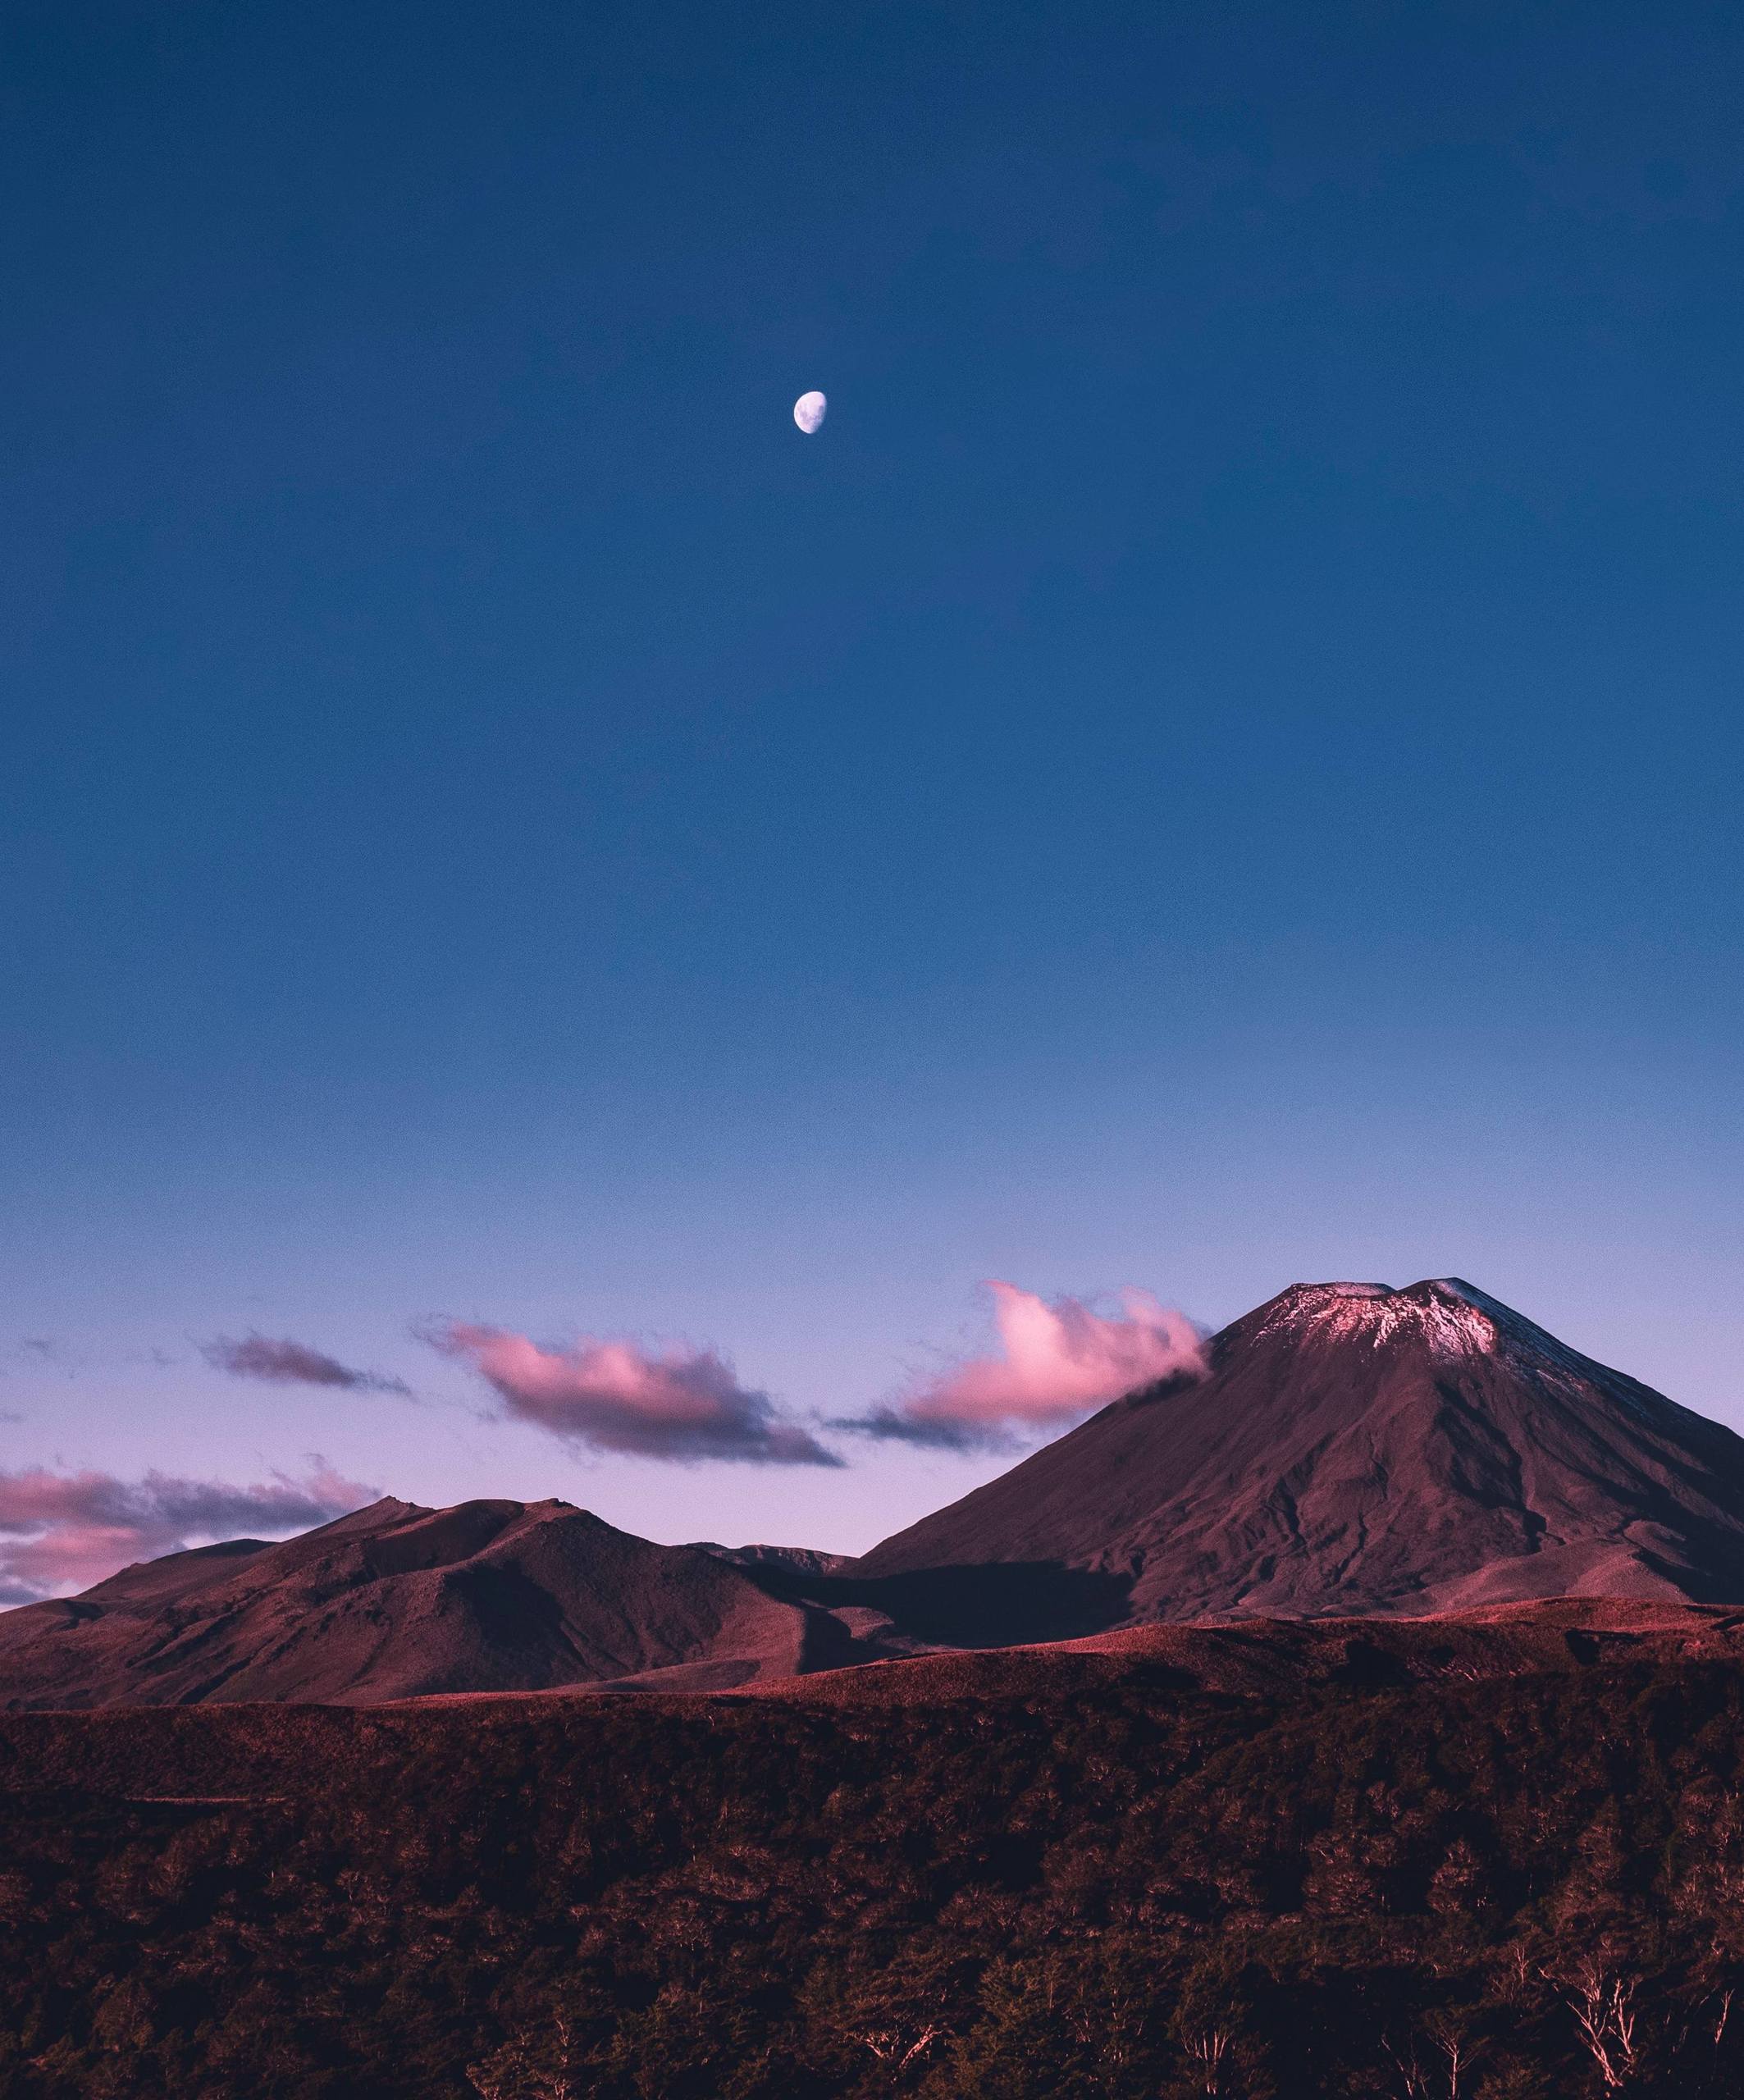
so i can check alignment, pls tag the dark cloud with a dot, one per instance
(675, 1404)
(41, 1353)
(59, 1531)
(295, 1363)
(889, 1425)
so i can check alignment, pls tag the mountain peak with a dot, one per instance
(1359, 1447)
(1446, 1314)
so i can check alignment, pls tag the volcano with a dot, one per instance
(1352, 1449)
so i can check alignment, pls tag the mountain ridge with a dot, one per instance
(1350, 1451)
(396, 1601)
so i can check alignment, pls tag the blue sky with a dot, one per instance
(1218, 765)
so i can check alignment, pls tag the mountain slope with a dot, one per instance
(396, 1601)
(1353, 1451)
(1355, 1448)
(799, 1560)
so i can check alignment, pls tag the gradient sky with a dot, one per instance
(1220, 764)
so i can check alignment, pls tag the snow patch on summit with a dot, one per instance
(1447, 1315)
(1450, 1323)
(1534, 1346)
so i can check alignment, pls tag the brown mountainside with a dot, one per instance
(1359, 1449)
(396, 1601)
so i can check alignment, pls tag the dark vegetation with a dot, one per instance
(1516, 1888)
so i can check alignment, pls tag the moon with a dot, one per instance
(809, 412)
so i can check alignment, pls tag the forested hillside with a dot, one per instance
(1113, 1886)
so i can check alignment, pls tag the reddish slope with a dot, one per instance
(395, 1601)
(1353, 1449)
(1278, 1656)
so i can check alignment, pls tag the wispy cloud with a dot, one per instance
(39, 1353)
(1054, 1363)
(295, 1363)
(60, 1531)
(675, 1404)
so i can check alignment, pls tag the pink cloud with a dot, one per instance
(674, 1403)
(1054, 1363)
(61, 1532)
